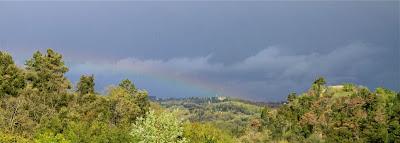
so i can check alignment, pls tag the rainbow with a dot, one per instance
(187, 82)
(164, 76)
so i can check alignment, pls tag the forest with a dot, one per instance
(39, 104)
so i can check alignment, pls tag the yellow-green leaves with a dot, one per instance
(158, 128)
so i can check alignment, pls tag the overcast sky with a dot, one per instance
(253, 50)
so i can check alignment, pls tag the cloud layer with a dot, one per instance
(271, 73)
(256, 50)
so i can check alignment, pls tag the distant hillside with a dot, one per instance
(214, 99)
(335, 113)
(228, 114)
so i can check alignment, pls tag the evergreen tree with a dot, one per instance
(86, 85)
(394, 118)
(46, 72)
(318, 85)
(140, 96)
(11, 77)
(128, 86)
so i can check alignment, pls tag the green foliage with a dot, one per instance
(158, 128)
(123, 107)
(99, 132)
(255, 136)
(11, 138)
(49, 137)
(128, 86)
(11, 77)
(291, 97)
(393, 110)
(358, 116)
(206, 133)
(86, 85)
(140, 96)
(37, 106)
(230, 115)
(46, 72)
(318, 86)
(348, 87)
(320, 81)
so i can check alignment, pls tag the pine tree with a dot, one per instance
(86, 85)
(128, 86)
(140, 97)
(11, 77)
(46, 72)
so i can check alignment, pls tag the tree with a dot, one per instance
(318, 85)
(15, 116)
(394, 118)
(141, 99)
(162, 128)
(140, 96)
(86, 85)
(36, 105)
(128, 86)
(46, 72)
(291, 97)
(11, 77)
(265, 117)
(320, 81)
(348, 87)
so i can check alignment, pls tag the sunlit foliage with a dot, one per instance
(38, 105)
(158, 128)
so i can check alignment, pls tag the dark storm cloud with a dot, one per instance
(272, 73)
(263, 49)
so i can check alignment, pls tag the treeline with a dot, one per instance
(216, 99)
(39, 104)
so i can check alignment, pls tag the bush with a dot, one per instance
(158, 128)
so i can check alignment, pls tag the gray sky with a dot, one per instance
(253, 50)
